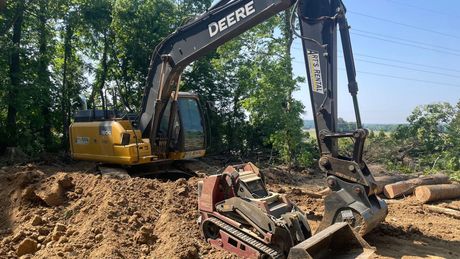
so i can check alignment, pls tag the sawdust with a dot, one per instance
(72, 212)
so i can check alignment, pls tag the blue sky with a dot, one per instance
(429, 37)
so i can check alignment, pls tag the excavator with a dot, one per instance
(237, 212)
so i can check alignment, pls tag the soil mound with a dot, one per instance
(85, 215)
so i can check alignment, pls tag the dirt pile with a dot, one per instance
(71, 214)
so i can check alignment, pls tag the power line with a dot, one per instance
(405, 25)
(423, 9)
(398, 61)
(404, 43)
(406, 78)
(398, 77)
(407, 68)
(400, 43)
(405, 62)
(406, 40)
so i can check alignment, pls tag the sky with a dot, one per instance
(407, 53)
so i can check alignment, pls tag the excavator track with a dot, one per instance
(256, 244)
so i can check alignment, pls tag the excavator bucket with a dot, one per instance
(336, 241)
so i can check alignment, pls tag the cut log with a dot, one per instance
(407, 187)
(437, 192)
(388, 179)
(450, 212)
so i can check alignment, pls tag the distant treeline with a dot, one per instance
(346, 126)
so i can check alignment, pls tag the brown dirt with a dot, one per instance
(73, 212)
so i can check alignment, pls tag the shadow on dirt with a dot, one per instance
(395, 242)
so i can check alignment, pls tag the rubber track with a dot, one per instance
(256, 244)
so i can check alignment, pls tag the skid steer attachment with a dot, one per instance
(336, 241)
(238, 214)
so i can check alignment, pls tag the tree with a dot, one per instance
(427, 136)
(15, 75)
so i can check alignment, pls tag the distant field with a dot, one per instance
(309, 125)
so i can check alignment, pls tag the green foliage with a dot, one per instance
(430, 142)
(67, 48)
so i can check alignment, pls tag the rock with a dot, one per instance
(63, 240)
(133, 219)
(20, 235)
(27, 246)
(122, 202)
(182, 191)
(145, 236)
(68, 248)
(34, 236)
(40, 239)
(59, 231)
(99, 237)
(7, 240)
(44, 231)
(145, 249)
(88, 245)
(60, 227)
(50, 244)
(66, 182)
(53, 195)
(296, 191)
(37, 220)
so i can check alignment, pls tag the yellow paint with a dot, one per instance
(100, 141)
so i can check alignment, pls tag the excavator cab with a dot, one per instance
(188, 133)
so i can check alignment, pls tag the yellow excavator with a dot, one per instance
(237, 212)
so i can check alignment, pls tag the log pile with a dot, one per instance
(426, 189)
(407, 187)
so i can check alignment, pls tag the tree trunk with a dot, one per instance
(102, 77)
(65, 85)
(15, 77)
(437, 192)
(289, 38)
(407, 187)
(104, 65)
(43, 75)
(382, 181)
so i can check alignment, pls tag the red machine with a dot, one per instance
(238, 214)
